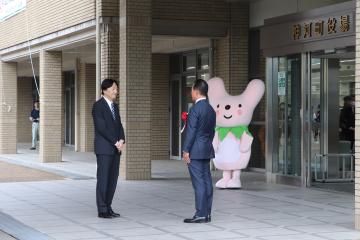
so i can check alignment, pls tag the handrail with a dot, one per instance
(334, 155)
(324, 161)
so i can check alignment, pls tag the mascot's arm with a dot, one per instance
(216, 141)
(245, 143)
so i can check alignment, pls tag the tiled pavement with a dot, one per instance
(74, 165)
(4, 236)
(154, 210)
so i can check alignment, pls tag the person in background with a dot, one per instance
(35, 118)
(347, 120)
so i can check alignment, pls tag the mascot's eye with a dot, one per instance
(240, 105)
(218, 106)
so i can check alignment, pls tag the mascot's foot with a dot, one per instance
(221, 183)
(234, 184)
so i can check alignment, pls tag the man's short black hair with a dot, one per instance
(107, 83)
(202, 86)
(347, 99)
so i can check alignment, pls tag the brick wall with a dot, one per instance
(258, 130)
(110, 40)
(135, 87)
(62, 109)
(231, 64)
(199, 10)
(86, 98)
(239, 35)
(24, 107)
(357, 120)
(108, 8)
(222, 60)
(44, 17)
(51, 106)
(260, 111)
(110, 51)
(160, 107)
(231, 52)
(8, 107)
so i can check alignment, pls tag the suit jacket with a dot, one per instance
(107, 130)
(200, 131)
(347, 120)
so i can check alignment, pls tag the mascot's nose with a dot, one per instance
(227, 107)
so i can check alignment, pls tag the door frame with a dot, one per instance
(175, 78)
(179, 77)
(324, 98)
(72, 114)
(272, 146)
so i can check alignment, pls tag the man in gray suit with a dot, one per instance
(198, 150)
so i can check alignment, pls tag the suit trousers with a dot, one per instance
(202, 183)
(107, 177)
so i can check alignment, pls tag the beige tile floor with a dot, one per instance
(154, 210)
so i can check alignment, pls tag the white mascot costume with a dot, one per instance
(232, 141)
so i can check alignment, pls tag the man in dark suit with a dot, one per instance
(198, 150)
(347, 121)
(109, 142)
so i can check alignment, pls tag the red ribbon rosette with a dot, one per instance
(184, 117)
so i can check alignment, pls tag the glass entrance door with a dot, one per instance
(174, 116)
(185, 68)
(287, 101)
(311, 119)
(69, 108)
(332, 78)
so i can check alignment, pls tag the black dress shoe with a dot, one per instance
(105, 215)
(113, 214)
(195, 219)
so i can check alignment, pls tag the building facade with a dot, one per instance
(304, 50)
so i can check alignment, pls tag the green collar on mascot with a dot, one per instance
(237, 131)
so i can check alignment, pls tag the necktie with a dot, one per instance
(113, 110)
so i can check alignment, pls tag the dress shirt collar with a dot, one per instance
(108, 102)
(203, 98)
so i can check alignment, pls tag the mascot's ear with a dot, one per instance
(254, 92)
(216, 89)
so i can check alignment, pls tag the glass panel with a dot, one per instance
(73, 110)
(203, 61)
(204, 76)
(189, 80)
(347, 105)
(282, 114)
(346, 118)
(288, 86)
(194, 65)
(294, 119)
(175, 121)
(67, 117)
(316, 131)
(175, 66)
(189, 62)
(69, 82)
(257, 159)
(333, 117)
